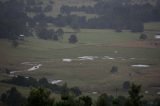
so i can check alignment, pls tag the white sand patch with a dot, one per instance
(141, 66)
(13, 72)
(132, 58)
(28, 63)
(27, 77)
(56, 81)
(107, 57)
(115, 52)
(146, 92)
(158, 93)
(94, 93)
(35, 67)
(88, 57)
(67, 60)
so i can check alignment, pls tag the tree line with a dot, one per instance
(117, 14)
(16, 18)
(42, 82)
(42, 97)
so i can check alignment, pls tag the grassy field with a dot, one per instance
(89, 75)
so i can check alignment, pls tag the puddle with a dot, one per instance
(88, 57)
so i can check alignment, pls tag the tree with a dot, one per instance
(137, 26)
(104, 100)
(39, 97)
(143, 36)
(126, 85)
(73, 39)
(60, 33)
(87, 100)
(114, 69)
(76, 91)
(12, 97)
(13, 19)
(134, 96)
(64, 92)
(43, 82)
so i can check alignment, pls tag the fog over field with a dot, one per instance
(79, 53)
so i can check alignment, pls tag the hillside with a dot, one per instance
(39, 46)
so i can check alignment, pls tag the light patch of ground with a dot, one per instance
(35, 67)
(56, 81)
(88, 57)
(67, 60)
(141, 66)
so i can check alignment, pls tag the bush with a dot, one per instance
(73, 39)
(114, 69)
(143, 37)
(126, 85)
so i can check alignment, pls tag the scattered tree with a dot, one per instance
(114, 69)
(12, 97)
(143, 36)
(135, 98)
(87, 100)
(126, 85)
(73, 39)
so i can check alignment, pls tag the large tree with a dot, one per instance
(13, 19)
(39, 97)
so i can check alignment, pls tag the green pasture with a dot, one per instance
(90, 76)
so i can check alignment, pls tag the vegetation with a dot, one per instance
(12, 97)
(53, 40)
(143, 37)
(73, 39)
(43, 82)
(42, 97)
(114, 69)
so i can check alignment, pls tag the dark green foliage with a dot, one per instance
(64, 92)
(12, 19)
(135, 98)
(42, 82)
(156, 102)
(104, 100)
(87, 100)
(42, 97)
(12, 97)
(60, 33)
(4, 97)
(119, 101)
(143, 36)
(73, 39)
(137, 26)
(114, 14)
(39, 97)
(76, 91)
(114, 69)
(22, 81)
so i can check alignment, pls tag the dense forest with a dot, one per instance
(16, 18)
